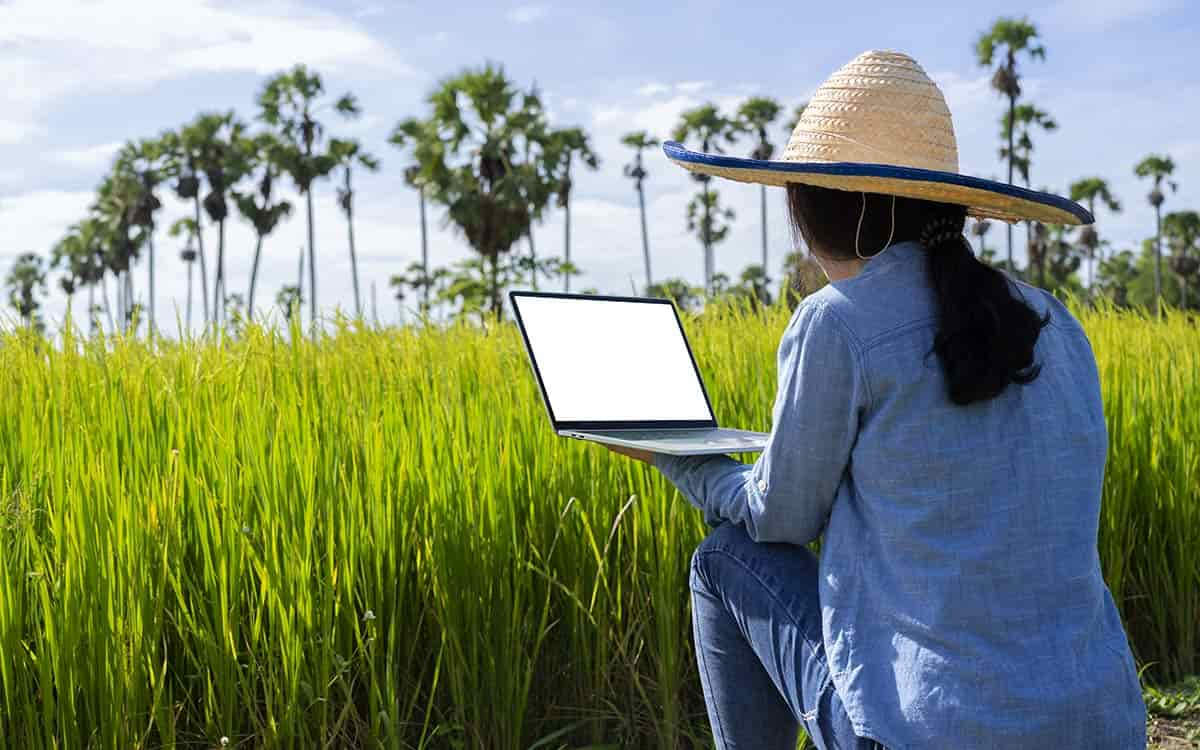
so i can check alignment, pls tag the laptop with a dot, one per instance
(618, 370)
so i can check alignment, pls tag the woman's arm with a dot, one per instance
(786, 495)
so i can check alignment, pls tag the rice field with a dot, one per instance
(375, 540)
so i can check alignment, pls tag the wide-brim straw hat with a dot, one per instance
(881, 125)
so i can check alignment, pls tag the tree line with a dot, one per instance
(486, 154)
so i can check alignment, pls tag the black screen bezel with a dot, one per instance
(590, 426)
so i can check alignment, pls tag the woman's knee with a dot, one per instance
(729, 542)
(727, 539)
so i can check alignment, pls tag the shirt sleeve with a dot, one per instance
(787, 494)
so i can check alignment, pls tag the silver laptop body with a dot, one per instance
(619, 370)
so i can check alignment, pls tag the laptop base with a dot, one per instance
(698, 441)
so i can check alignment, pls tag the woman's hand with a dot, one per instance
(645, 457)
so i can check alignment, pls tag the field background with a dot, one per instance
(376, 540)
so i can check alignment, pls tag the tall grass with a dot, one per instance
(376, 540)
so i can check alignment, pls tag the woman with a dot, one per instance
(942, 425)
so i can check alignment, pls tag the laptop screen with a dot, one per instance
(610, 360)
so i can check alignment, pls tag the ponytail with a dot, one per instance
(986, 331)
(986, 335)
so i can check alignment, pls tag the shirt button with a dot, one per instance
(762, 485)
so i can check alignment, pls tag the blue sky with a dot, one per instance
(81, 76)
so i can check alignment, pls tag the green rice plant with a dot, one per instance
(375, 539)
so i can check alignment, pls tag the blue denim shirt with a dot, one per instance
(962, 602)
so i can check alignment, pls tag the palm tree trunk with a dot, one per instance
(129, 299)
(91, 316)
(254, 276)
(203, 267)
(1012, 126)
(1158, 260)
(107, 310)
(150, 248)
(495, 284)
(645, 238)
(763, 196)
(312, 263)
(219, 284)
(567, 245)
(424, 246)
(704, 232)
(1092, 250)
(532, 257)
(189, 298)
(353, 258)
(120, 302)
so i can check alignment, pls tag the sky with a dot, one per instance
(82, 76)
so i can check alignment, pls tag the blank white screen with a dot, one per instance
(604, 360)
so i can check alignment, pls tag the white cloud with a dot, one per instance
(660, 117)
(58, 48)
(13, 131)
(692, 87)
(1099, 14)
(528, 13)
(963, 92)
(367, 10)
(39, 219)
(652, 89)
(90, 157)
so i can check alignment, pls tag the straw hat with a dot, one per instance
(881, 125)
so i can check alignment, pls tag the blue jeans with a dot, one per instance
(756, 618)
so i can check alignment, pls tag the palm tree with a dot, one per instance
(564, 147)
(1091, 189)
(1159, 168)
(802, 275)
(86, 259)
(409, 133)
(708, 127)
(183, 150)
(225, 156)
(349, 153)
(640, 141)
(122, 231)
(538, 134)
(473, 165)
(980, 229)
(1006, 39)
(290, 102)
(421, 280)
(145, 160)
(756, 115)
(187, 255)
(1183, 230)
(683, 294)
(1022, 120)
(289, 300)
(797, 113)
(1026, 118)
(705, 216)
(258, 208)
(26, 281)
(71, 254)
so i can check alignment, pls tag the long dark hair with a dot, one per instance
(986, 334)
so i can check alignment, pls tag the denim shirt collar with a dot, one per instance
(906, 253)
